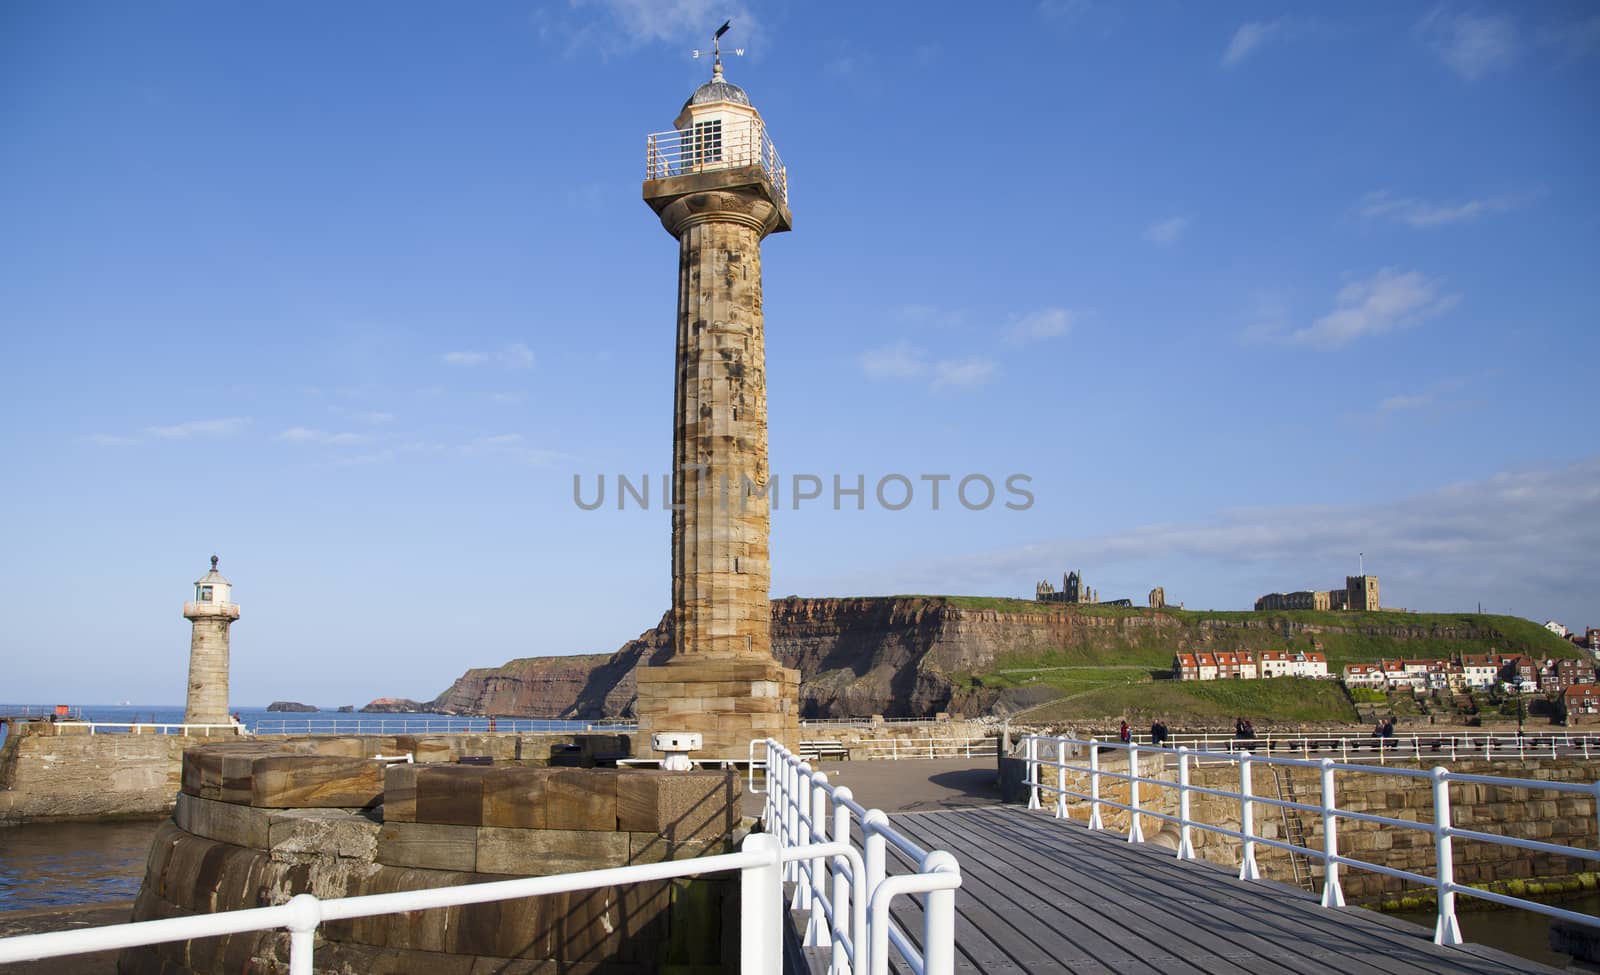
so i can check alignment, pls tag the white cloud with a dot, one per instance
(514, 356)
(962, 372)
(1166, 232)
(932, 316)
(906, 361)
(110, 440)
(1472, 45)
(375, 417)
(630, 24)
(222, 427)
(1538, 530)
(1390, 299)
(498, 440)
(1247, 39)
(899, 361)
(507, 399)
(1063, 11)
(512, 446)
(324, 437)
(1407, 401)
(1042, 324)
(1419, 213)
(1574, 39)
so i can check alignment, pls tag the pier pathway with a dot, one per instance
(1041, 895)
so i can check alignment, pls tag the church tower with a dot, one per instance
(717, 185)
(212, 611)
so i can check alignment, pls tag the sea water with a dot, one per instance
(67, 864)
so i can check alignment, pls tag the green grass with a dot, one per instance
(1287, 699)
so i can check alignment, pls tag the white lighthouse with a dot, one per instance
(211, 611)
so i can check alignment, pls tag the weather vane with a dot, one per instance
(716, 49)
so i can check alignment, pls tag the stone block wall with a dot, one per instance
(74, 776)
(53, 772)
(254, 826)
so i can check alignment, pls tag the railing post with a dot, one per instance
(1344, 748)
(845, 908)
(1247, 821)
(873, 858)
(1445, 931)
(761, 908)
(1094, 786)
(304, 916)
(1332, 893)
(817, 927)
(1185, 849)
(1033, 771)
(939, 919)
(1135, 834)
(1061, 778)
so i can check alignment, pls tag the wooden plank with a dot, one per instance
(1044, 895)
(1276, 927)
(1137, 926)
(1028, 927)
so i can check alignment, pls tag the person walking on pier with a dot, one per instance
(1158, 732)
(1125, 734)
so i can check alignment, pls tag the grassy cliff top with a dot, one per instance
(1510, 634)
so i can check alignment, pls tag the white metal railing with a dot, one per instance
(407, 726)
(847, 893)
(149, 728)
(735, 142)
(869, 722)
(759, 862)
(8, 711)
(904, 748)
(1067, 755)
(1415, 746)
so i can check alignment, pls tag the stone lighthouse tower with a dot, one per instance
(212, 611)
(719, 188)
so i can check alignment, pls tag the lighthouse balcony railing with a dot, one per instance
(214, 608)
(1057, 767)
(734, 143)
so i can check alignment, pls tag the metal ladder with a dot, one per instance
(1294, 830)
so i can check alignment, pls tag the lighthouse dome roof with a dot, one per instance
(718, 90)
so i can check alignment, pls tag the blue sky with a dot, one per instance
(348, 294)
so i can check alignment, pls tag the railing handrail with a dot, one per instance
(401, 724)
(159, 727)
(1442, 828)
(758, 861)
(1491, 745)
(852, 916)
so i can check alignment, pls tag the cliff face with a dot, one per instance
(896, 656)
(858, 656)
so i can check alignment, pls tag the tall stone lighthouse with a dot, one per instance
(211, 612)
(718, 186)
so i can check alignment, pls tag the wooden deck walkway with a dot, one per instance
(1041, 895)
